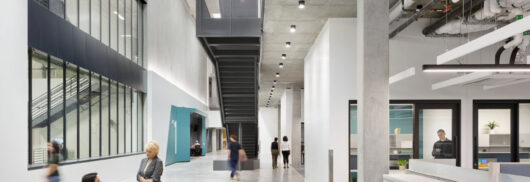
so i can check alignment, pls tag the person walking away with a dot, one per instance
(275, 152)
(53, 162)
(235, 152)
(286, 150)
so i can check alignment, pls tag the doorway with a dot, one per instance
(197, 147)
(495, 134)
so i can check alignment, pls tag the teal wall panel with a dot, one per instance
(178, 143)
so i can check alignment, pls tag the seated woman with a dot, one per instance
(151, 167)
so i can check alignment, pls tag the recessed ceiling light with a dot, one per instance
(301, 4)
(280, 65)
(287, 44)
(216, 15)
(275, 82)
(277, 74)
(293, 28)
(284, 56)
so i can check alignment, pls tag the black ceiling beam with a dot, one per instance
(233, 41)
(430, 30)
(413, 18)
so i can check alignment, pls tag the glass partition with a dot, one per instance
(524, 132)
(401, 133)
(435, 134)
(494, 136)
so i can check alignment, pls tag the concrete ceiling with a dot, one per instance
(279, 16)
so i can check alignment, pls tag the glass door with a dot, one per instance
(493, 129)
(436, 134)
(438, 128)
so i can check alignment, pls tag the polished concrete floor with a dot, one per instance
(200, 169)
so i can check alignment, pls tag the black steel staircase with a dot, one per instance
(232, 39)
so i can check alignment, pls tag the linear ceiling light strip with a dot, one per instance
(477, 68)
(486, 40)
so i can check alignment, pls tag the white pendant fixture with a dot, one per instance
(485, 40)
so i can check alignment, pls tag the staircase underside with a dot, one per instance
(236, 60)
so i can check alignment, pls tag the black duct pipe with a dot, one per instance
(498, 55)
(514, 54)
(499, 52)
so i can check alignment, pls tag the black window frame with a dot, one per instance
(91, 157)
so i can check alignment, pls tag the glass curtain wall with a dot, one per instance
(113, 117)
(105, 110)
(95, 18)
(86, 113)
(56, 100)
(121, 118)
(39, 107)
(116, 23)
(84, 15)
(105, 19)
(71, 112)
(128, 117)
(140, 122)
(121, 26)
(95, 93)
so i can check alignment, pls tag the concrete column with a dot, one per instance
(372, 86)
(296, 129)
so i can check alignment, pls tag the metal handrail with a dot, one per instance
(56, 97)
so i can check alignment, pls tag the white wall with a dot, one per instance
(214, 119)
(14, 80)
(328, 67)
(316, 97)
(172, 48)
(287, 113)
(177, 66)
(268, 129)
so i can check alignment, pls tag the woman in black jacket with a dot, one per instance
(151, 167)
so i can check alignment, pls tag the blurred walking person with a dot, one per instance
(275, 152)
(235, 152)
(286, 151)
(53, 162)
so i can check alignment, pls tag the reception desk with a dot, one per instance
(445, 170)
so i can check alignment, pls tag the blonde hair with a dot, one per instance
(152, 146)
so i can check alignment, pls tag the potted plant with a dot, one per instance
(492, 125)
(397, 131)
(402, 164)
